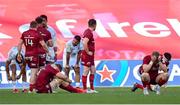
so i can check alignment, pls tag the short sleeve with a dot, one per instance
(22, 36)
(53, 35)
(81, 46)
(11, 54)
(146, 60)
(88, 34)
(68, 47)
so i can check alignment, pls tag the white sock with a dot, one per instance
(14, 84)
(23, 85)
(77, 84)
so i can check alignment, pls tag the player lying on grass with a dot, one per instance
(50, 77)
(149, 71)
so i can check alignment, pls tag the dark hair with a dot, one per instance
(167, 56)
(44, 16)
(33, 24)
(155, 53)
(91, 22)
(39, 20)
(22, 60)
(77, 37)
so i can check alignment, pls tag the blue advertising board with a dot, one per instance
(109, 73)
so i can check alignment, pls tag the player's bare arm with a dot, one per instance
(44, 46)
(163, 67)
(60, 75)
(68, 54)
(7, 69)
(147, 67)
(20, 47)
(85, 43)
(78, 59)
(63, 77)
(23, 70)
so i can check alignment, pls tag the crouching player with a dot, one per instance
(149, 71)
(50, 77)
(11, 64)
(71, 57)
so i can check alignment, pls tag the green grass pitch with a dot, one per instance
(169, 95)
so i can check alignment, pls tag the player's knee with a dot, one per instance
(13, 74)
(93, 71)
(145, 77)
(86, 71)
(77, 71)
(165, 76)
(66, 70)
(64, 83)
(23, 75)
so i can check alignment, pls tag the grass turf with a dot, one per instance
(170, 95)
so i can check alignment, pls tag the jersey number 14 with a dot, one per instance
(29, 42)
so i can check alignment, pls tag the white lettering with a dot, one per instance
(175, 25)
(4, 36)
(136, 72)
(101, 31)
(64, 28)
(127, 53)
(175, 72)
(142, 28)
(113, 54)
(139, 55)
(117, 28)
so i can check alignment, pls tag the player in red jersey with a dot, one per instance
(52, 50)
(50, 77)
(32, 40)
(150, 74)
(46, 35)
(88, 55)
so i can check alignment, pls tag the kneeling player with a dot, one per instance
(150, 72)
(51, 77)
